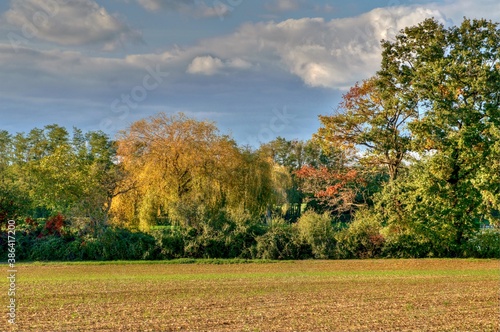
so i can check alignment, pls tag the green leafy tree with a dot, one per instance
(454, 74)
(45, 172)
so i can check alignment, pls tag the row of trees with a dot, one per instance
(410, 162)
(431, 117)
(46, 172)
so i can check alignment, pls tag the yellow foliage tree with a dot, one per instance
(184, 171)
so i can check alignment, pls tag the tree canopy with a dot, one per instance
(408, 165)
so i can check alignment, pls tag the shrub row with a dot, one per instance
(313, 236)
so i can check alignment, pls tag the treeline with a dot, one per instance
(409, 166)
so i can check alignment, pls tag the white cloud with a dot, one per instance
(69, 23)
(238, 63)
(455, 10)
(242, 74)
(208, 65)
(328, 54)
(194, 8)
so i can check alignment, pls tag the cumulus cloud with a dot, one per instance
(326, 54)
(69, 23)
(454, 11)
(208, 65)
(345, 49)
(330, 54)
(195, 8)
(242, 75)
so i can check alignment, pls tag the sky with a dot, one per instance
(258, 69)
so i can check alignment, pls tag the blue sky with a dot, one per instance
(259, 69)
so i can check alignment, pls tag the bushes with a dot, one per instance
(222, 236)
(49, 248)
(317, 231)
(111, 244)
(242, 240)
(119, 244)
(205, 242)
(362, 239)
(281, 241)
(170, 242)
(405, 244)
(485, 244)
(313, 236)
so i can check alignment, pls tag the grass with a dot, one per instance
(216, 261)
(213, 295)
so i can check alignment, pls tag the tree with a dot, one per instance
(454, 74)
(336, 189)
(258, 183)
(45, 173)
(317, 231)
(371, 123)
(186, 172)
(96, 155)
(12, 200)
(290, 156)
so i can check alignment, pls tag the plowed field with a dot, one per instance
(361, 295)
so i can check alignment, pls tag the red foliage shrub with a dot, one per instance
(54, 225)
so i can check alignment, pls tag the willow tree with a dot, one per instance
(184, 172)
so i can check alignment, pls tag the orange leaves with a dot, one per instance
(338, 189)
(358, 94)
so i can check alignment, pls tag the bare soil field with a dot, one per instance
(361, 295)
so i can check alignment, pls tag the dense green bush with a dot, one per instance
(119, 243)
(223, 236)
(169, 242)
(241, 241)
(405, 244)
(362, 239)
(111, 244)
(317, 231)
(485, 244)
(48, 248)
(232, 241)
(23, 245)
(281, 241)
(313, 236)
(205, 242)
